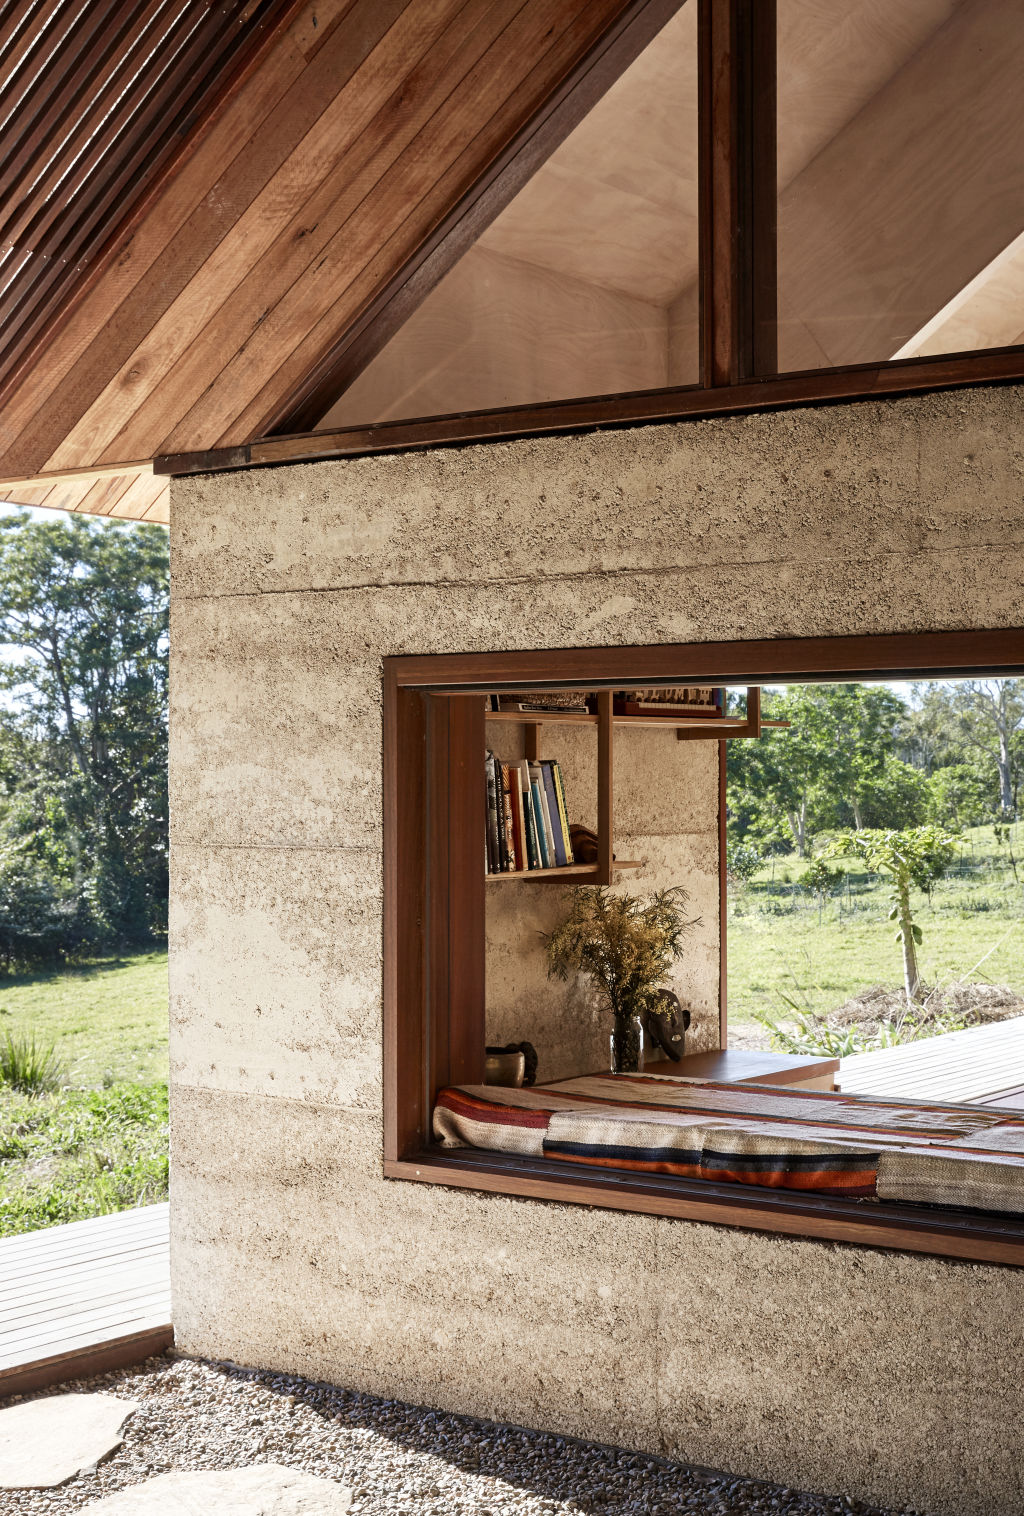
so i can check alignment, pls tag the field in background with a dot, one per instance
(783, 942)
(98, 1143)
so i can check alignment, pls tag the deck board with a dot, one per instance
(982, 1065)
(82, 1298)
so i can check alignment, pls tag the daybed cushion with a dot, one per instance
(959, 1155)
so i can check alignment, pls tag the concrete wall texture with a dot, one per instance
(888, 1377)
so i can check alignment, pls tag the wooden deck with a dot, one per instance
(83, 1298)
(983, 1066)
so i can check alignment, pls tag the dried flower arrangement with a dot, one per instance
(626, 944)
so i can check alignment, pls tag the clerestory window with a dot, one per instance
(740, 203)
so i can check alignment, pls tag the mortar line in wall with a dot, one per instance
(281, 847)
(320, 1105)
(532, 581)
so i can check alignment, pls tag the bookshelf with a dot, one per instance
(720, 729)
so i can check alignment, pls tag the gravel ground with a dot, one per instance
(399, 1460)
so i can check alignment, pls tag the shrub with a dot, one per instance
(814, 1037)
(819, 879)
(742, 861)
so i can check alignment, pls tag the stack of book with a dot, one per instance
(702, 701)
(540, 702)
(527, 817)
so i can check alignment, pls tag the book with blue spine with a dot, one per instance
(547, 851)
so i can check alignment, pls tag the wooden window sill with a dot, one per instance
(968, 1235)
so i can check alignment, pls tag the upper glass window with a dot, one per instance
(900, 179)
(586, 284)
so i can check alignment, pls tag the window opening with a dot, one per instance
(587, 283)
(875, 866)
(516, 1075)
(900, 180)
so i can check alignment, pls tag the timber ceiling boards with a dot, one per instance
(135, 495)
(305, 188)
(94, 99)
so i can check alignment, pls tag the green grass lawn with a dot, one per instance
(781, 944)
(108, 1018)
(98, 1143)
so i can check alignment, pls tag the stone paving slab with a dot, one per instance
(47, 1441)
(266, 1489)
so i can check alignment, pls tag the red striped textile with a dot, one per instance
(761, 1135)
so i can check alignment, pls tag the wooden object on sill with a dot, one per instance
(752, 1066)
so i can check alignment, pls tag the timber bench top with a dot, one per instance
(748, 1066)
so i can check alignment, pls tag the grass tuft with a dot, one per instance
(27, 1068)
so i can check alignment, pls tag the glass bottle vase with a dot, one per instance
(626, 1046)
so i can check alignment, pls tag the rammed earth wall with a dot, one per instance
(889, 1377)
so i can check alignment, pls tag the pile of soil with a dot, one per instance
(975, 1004)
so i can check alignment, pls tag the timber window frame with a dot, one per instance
(433, 948)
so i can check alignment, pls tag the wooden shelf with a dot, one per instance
(570, 872)
(543, 718)
(692, 727)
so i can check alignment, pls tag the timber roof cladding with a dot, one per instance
(271, 178)
(94, 102)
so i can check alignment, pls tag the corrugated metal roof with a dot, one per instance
(95, 96)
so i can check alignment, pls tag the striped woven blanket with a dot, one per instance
(757, 1134)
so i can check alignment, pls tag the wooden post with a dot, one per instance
(605, 781)
(456, 817)
(737, 110)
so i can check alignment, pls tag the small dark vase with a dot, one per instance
(627, 1046)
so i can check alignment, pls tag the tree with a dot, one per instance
(83, 750)
(983, 717)
(917, 857)
(824, 770)
(896, 796)
(958, 796)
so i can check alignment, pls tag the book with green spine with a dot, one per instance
(563, 809)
